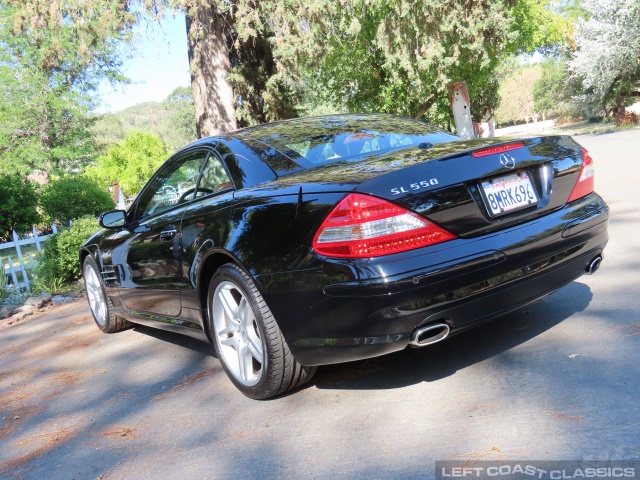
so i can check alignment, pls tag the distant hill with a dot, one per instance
(173, 120)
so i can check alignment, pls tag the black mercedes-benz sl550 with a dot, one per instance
(322, 240)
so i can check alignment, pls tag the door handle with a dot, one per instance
(168, 234)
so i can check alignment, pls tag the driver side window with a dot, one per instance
(174, 185)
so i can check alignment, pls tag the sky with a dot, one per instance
(159, 65)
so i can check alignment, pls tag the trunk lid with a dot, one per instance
(447, 184)
(458, 190)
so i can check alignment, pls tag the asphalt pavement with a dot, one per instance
(557, 381)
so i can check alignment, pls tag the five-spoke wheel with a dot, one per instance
(95, 295)
(237, 333)
(99, 301)
(247, 339)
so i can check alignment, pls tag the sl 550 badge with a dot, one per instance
(415, 186)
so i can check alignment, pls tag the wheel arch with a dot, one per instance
(210, 265)
(90, 250)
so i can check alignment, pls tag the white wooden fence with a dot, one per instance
(22, 267)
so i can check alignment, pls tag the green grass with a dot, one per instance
(11, 253)
(5, 254)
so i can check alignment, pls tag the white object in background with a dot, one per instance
(461, 107)
(118, 197)
(488, 124)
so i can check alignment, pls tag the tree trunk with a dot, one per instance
(209, 62)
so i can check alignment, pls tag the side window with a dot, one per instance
(245, 167)
(174, 185)
(214, 177)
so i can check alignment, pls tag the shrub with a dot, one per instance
(130, 162)
(18, 202)
(59, 260)
(73, 197)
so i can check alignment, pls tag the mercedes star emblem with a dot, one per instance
(507, 160)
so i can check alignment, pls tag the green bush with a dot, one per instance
(58, 262)
(18, 200)
(130, 162)
(73, 197)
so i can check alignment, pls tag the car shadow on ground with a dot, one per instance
(438, 361)
(177, 339)
(434, 362)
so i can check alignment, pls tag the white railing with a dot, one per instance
(12, 270)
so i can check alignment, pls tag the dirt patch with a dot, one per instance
(564, 417)
(64, 345)
(17, 375)
(117, 398)
(10, 349)
(477, 408)
(13, 418)
(47, 388)
(185, 384)
(43, 442)
(119, 432)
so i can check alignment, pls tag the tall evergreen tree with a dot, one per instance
(53, 56)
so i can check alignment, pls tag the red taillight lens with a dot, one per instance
(499, 149)
(584, 185)
(362, 226)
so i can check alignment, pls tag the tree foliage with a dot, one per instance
(181, 118)
(253, 62)
(516, 94)
(18, 201)
(53, 56)
(69, 198)
(130, 162)
(399, 57)
(367, 55)
(607, 59)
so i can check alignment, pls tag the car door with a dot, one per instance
(206, 224)
(153, 273)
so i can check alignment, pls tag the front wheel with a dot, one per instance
(247, 339)
(99, 302)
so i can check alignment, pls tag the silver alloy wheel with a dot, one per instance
(95, 295)
(237, 333)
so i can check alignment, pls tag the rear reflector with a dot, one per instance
(585, 184)
(498, 149)
(362, 226)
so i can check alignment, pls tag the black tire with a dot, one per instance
(95, 292)
(278, 371)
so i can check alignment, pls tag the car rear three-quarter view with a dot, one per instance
(329, 239)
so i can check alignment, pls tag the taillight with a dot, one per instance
(362, 226)
(584, 185)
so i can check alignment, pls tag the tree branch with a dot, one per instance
(425, 106)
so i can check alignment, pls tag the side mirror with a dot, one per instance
(113, 219)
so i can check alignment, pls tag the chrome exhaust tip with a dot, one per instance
(429, 334)
(593, 265)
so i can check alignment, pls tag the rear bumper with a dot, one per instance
(350, 310)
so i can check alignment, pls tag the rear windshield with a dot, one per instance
(321, 140)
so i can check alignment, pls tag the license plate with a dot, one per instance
(508, 193)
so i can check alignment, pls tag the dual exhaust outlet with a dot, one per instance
(429, 334)
(435, 332)
(593, 265)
